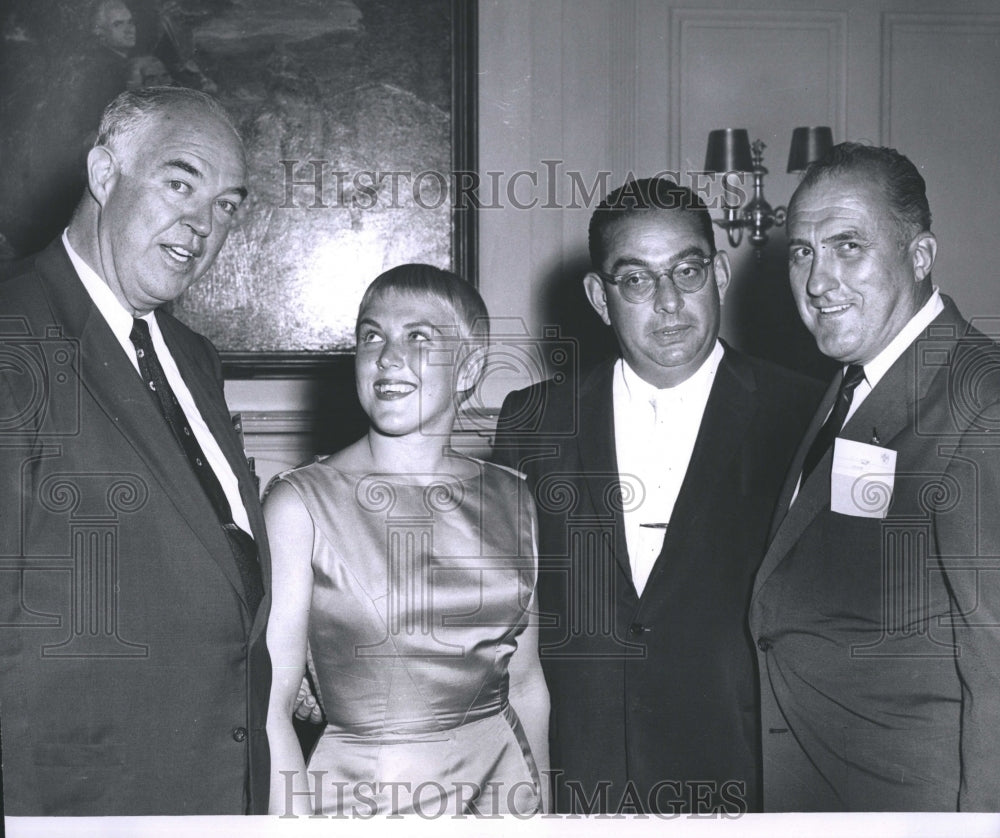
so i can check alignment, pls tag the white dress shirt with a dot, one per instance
(655, 433)
(120, 322)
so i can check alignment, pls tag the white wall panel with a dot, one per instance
(941, 107)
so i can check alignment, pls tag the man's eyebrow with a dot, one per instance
(184, 166)
(194, 171)
(687, 252)
(843, 236)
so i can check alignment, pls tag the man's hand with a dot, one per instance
(306, 706)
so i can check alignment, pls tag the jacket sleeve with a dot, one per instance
(968, 550)
(506, 448)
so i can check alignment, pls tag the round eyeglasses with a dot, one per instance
(688, 276)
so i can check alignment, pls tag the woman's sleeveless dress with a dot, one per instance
(419, 594)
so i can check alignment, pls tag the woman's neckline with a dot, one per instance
(397, 478)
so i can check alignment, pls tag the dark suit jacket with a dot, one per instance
(878, 644)
(134, 680)
(651, 694)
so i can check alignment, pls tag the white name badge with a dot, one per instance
(862, 479)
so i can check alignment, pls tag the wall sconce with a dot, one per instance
(730, 150)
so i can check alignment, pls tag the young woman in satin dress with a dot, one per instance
(403, 577)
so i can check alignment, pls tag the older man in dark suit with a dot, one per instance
(132, 553)
(876, 611)
(655, 480)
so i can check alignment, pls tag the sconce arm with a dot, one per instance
(732, 223)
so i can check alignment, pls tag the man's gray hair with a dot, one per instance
(897, 177)
(134, 110)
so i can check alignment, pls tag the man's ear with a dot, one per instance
(720, 264)
(923, 251)
(593, 285)
(102, 173)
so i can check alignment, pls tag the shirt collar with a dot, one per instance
(116, 315)
(876, 368)
(638, 390)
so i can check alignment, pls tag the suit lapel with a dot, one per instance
(909, 379)
(203, 387)
(204, 390)
(729, 411)
(813, 499)
(598, 458)
(888, 410)
(108, 376)
(795, 469)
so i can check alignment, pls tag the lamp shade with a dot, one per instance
(808, 145)
(728, 151)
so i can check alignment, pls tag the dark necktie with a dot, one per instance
(828, 433)
(243, 547)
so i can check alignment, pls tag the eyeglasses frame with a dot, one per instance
(618, 279)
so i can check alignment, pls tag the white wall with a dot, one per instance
(635, 86)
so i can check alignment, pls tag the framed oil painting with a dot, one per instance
(359, 120)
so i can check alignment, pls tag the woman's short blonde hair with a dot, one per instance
(421, 280)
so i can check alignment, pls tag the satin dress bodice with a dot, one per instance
(419, 595)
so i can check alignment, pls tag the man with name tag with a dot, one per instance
(133, 559)
(876, 610)
(655, 479)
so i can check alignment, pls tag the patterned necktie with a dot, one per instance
(243, 547)
(828, 433)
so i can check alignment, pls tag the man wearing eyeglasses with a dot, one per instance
(655, 480)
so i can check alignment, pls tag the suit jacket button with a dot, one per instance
(636, 629)
(764, 644)
(240, 734)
